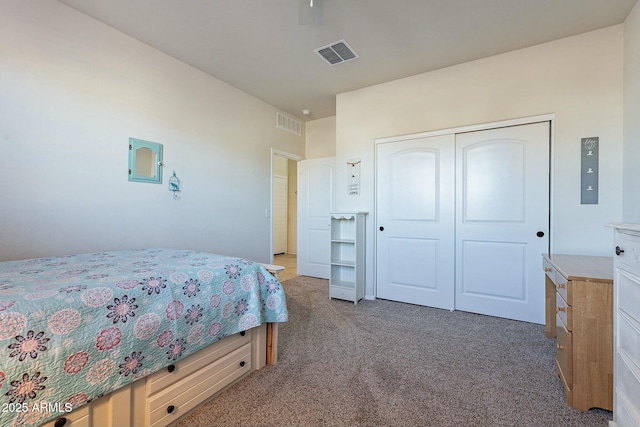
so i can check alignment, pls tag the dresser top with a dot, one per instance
(625, 226)
(582, 267)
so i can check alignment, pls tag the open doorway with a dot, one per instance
(284, 208)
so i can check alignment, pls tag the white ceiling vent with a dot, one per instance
(337, 53)
(288, 123)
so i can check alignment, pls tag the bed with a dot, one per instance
(135, 337)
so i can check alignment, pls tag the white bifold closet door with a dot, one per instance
(502, 221)
(415, 221)
(462, 220)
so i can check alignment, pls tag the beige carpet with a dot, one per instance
(382, 363)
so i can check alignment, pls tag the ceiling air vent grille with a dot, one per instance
(289, 124)
(337, 53)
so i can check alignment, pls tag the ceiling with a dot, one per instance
(266, 47)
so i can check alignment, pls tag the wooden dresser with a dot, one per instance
(579, 314)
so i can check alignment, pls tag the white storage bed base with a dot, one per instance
(161, 398)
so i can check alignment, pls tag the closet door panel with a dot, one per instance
(502, 220)
(415, 221)
(504, 186)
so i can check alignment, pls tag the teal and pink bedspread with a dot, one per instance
(77, 327)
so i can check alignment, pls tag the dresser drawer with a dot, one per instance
(630, 258)
(622, 413)
(174, 373)
(627, 384)
(564, 288)
(564, 312)
(564, 353)
(168, 405)
(628, 289)
(629, 337)
(549, 270)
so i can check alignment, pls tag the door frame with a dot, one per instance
(291, 156)
(551, 117)
(284, 179)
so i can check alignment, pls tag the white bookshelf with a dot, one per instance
(347, 256)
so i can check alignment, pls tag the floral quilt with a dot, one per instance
(77, 327)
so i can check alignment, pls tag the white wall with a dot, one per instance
(579, 79)
(631, 185)
(72, 91)
(320, 138)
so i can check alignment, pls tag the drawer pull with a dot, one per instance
(60, 422)
(619, 250)
(559, 309)
(170, 409)
(242, 364)
(171, 368)
(559, 347)
(242, 333)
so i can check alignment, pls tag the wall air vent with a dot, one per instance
(288, 123)
(336, 53)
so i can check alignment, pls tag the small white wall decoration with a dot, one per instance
(353, 169)
(175, 186)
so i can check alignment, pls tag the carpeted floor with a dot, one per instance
(383, 363)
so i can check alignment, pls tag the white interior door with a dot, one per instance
(502, 206)
(315, 202)
(280, 217)
(415, 221)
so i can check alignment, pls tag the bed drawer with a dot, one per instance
(77, 418)
(564, 353)
(563, 310)
(168, 405)
(174, 373)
